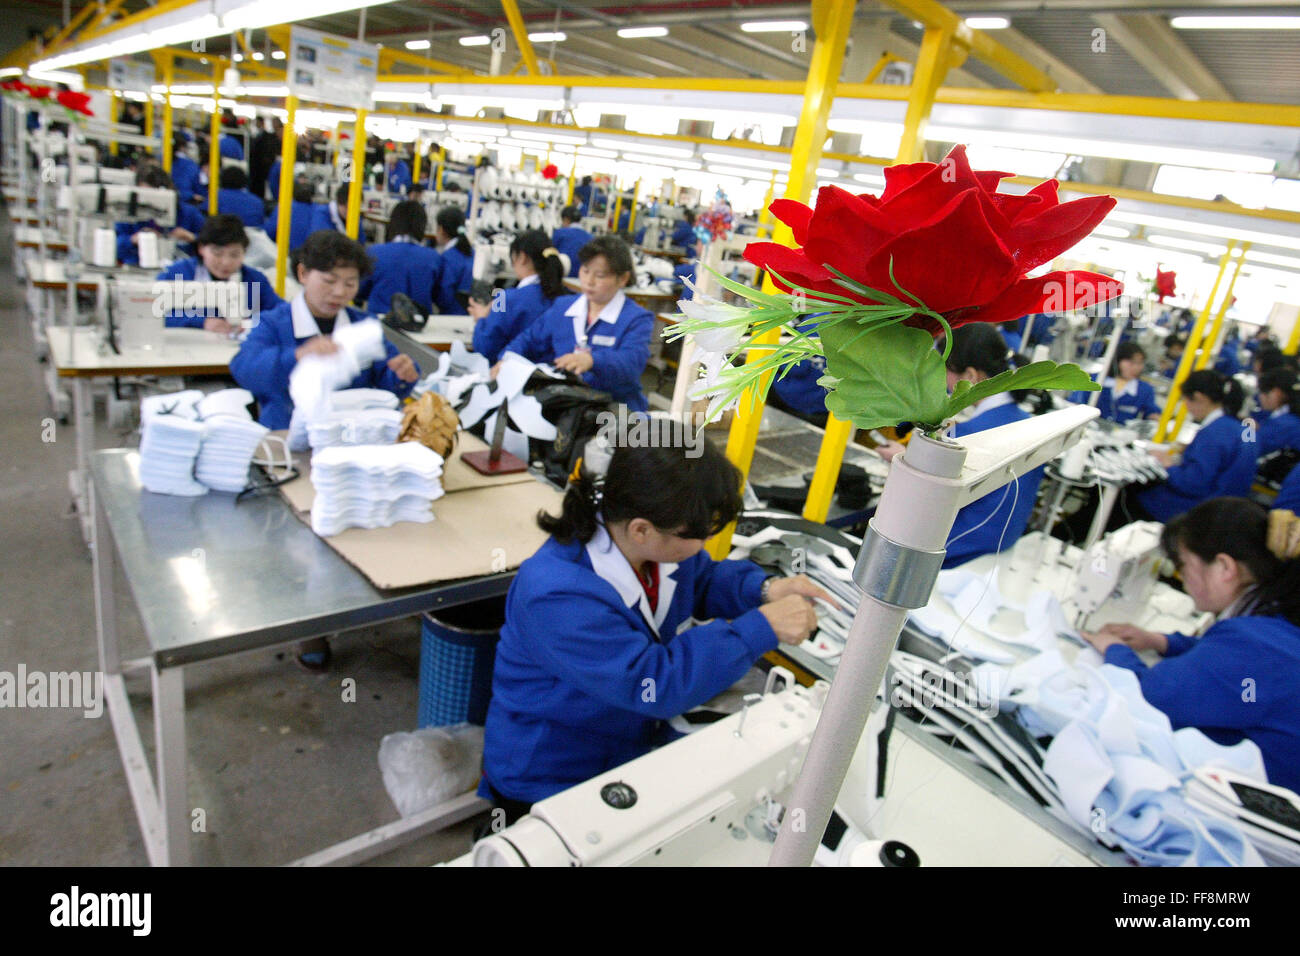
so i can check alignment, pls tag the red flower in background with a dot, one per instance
(79, 102)
(550, 171)
(956, 243)
(1164, 283)
(39, 92)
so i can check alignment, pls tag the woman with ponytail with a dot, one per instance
(1220, 460)
(996, 521)
(598, 650)
(540, 271)
(1124, 396)
(457, 261)
(1238, 681)
(1279, 427)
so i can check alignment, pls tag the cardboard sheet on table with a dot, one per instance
(456, 475)
(462, 541)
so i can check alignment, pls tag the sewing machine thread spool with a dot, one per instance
(148, 249)
(104, 250)
(1075, 459)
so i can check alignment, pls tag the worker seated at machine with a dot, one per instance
(1237, 681)
(334, 215)
(1288, 496)
(570, 237)
(233, 198)
(540, 271)
(996, 521)
(601, 336)
(1219, 461)
(1124, 396)
(403, 263)
(598, 652)
(452, 295)
(188, 219)
(302, 215)
(221, 245)
(1279, 426)
(683, 236)
(329, 267)
(398, 174)
(185, 171)
(1174, 346)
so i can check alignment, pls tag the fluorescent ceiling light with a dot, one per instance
(1113, 232)
(602, 153)
(396, 96)
(743, 161)
(825, 172)
(774, 26)
(1235, 23)
(277, 55)
(661, 161)
(544, 137)
(739, 171)
(869, 179)
(261, 13)
(988, 23)
(607, 143)
(474, 41)
(636, 33)
(1285, 262)
(465, 129)
(547, 37)
(1136, 152)
(1215, 231)
(1191, 245)
(418, 44)
(238, 58)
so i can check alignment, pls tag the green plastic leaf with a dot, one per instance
(889, 376)
(1042, 375)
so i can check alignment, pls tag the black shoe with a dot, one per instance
(401, 314)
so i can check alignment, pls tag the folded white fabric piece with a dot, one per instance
(227, 451)
(315, 377)
(364, 426)
(227, 401)
(181, 404)
(373, 486)
(364, 341)
(462, 360)
(169, 445)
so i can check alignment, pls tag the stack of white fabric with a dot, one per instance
(373, 486)
(337, 407)
(367, 426)
(228, 446)
(316, 377)
(170, 439)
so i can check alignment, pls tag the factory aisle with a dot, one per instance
(279, 764)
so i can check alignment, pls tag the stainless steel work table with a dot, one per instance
(211, 577)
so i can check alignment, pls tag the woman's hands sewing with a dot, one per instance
(316, 345)
(790, 609)
(215, 323)
(1128, 635)
(575, 362)
(403, 368)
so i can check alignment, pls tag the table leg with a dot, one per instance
(83, 417)
(169, 735)
(104, 561)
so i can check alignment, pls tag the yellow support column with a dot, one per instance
(1293, 342)
(284, 212)
(442, 164)
(169, 76)
(214, 147)
(520, 30)
(148, 113)
(573, 179)
(358, 173)
(113, 110)
(631, 219)
(932, 66)
(765, 216)
(1189, 352)
(415, 170)
(833, 20)
(618, 209)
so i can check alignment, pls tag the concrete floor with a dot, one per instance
(280, 766)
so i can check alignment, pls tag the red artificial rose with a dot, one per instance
(956, 243)
(79, 102)
(1164, 283)
(11, 85)
(550, 171)
(40, 92)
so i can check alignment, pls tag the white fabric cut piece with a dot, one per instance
(227, 401)
(1079, 766)
(514, 373)
(179, 404)
(466, 361)
(514, 442)
(939, 623)
(364, 341)
(373, 486)
(227, 452)
(526, 413)
(357, 398)
(169, 445)
(481, 401)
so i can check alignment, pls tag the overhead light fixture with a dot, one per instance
(1135, 152)
(1286, 262)
(988, 23)
(1114, 232)
(743, 161)
(1191, 245)
(277, 55)
(1213, 230)
(466, 129)
(739, 171)
(9, 71)
(238, 58)
(824, 172)
(869, 179)
(474, 41)
(637, 33)
(1235, 23)
(259, 56)
(774, 26)
(544, 137)
(605, 143)
(661, 161)
(556, 37)
(587, 151)
(262, 13)
(418, 44)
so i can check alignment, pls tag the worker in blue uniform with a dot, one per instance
(1279, 426)
(1238, 680)
(1288, 496)
(1174, 346)
(185, 172)
(540, 274)
(996, 521)
(302, 215)
(188, 220)
(403, 263)
(684, 234)
(273, 181)
(334, 215)
(329, 266)
(601, 336)
(570, 237)
(452, 295)
(1011, 334)
(624, 222)
(1228, 362)
(1039, 333)
(230, 145)
(1219, 461)
(1124, 396)
(582, 195)
(399, 175)
(234, 198)
(221, 245)
(598, 650)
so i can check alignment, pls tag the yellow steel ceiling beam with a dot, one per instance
(387, 57)
(74, 24)
(520, 30)
(935, 16)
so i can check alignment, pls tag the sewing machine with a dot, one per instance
(1120, 570)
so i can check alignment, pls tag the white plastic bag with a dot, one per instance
(431, 765)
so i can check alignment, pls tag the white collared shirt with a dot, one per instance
(992, 402)
(1213, 416)
(578, 312)
(528, 280)
(304, 323)
(1130, 389)
(610, 564)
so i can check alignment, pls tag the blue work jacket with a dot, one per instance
(401, 267)
(259, 294)
(1219, 461)
(512, 311)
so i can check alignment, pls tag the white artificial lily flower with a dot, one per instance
(713, 346)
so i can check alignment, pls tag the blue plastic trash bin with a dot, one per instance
(457, 651)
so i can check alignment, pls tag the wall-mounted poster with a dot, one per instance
(330, 69)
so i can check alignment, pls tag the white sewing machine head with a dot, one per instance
(1120, 569)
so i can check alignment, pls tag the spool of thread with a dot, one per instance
(104, 251)
(148, 249)
(1075, 459)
